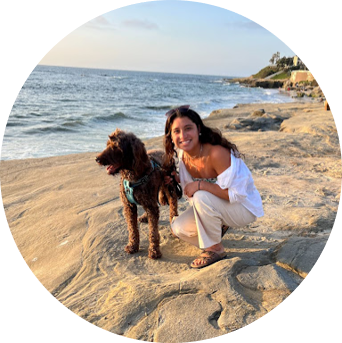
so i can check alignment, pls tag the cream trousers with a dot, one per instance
(201, 224)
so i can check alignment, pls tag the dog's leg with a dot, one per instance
(162, 197)
(173, 203)
(173, 208)
(154, 238)
(131, 216)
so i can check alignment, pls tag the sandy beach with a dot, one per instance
(66, 218)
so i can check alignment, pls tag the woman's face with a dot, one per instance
(185, 134)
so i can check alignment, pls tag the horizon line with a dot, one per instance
(140, 71)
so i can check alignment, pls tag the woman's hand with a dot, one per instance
(191, 188)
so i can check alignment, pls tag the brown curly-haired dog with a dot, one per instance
(125, 153)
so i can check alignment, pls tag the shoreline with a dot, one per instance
(147, 141)
(82, 117)
(65, 215)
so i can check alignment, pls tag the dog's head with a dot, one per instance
(123, 151)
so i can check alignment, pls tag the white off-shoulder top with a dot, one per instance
(237, 179)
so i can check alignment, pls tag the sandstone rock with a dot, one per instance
(184, 326)
(269, 278)
(301, 253)
(273, 282)
(263, 83)
(257, 121)
(258, 113)
(71, 232)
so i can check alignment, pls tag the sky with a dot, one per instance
(169, 36)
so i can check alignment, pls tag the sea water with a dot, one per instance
(63, 110)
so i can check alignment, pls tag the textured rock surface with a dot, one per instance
(66, 218)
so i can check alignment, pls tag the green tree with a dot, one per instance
(275, 58)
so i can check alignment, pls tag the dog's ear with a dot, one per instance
(134, 152)
(140, 158)
(114, 135)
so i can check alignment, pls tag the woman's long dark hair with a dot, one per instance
(208, 135)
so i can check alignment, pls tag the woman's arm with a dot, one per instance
(212, 188)
(220, 161)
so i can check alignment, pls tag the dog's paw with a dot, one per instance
(154, 254)
(131, 249)
(143, 218)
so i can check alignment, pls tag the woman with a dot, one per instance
(215, 180)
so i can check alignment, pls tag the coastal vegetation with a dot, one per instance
(284, 66)
(278, 75)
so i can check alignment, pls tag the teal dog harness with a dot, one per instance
(129, 186)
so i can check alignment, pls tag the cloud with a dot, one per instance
(244, 25)
(99, 23)
(140, 24)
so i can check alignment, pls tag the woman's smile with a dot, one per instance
(185, 142)
(185, 134)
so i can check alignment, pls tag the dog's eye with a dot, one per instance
(111, 143)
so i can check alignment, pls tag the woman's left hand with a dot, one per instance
(191, 188)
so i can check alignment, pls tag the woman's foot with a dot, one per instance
(209, 256)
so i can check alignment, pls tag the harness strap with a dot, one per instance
(129, 192)
(129, 186)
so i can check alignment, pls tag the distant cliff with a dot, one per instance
(257, 82)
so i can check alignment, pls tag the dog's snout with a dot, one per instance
(97, 159)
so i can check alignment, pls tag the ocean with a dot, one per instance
(64, 110)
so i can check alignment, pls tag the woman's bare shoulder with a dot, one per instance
(220, 158)
(218, 151)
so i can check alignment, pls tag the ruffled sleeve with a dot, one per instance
(236, 179)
